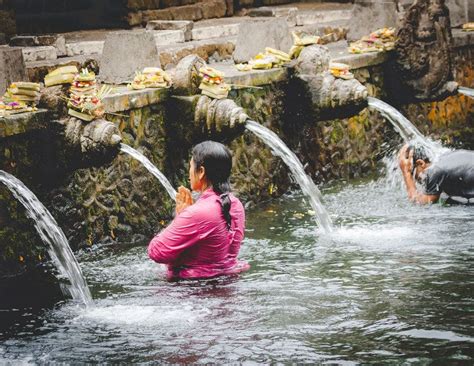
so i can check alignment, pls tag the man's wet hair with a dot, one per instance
(419, 152)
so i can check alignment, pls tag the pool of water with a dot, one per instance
(393, 282)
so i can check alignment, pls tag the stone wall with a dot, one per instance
(7, 20)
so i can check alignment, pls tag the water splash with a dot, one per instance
(307, 185)
(466, 91)
(49, 231)
(406, 129)
(150, 167)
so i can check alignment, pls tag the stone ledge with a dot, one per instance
(23, 122)
(252, 77)
(217, 31)
(305, 18)
(363, 60)
(125, 99)
(39, 53)
(462, 39)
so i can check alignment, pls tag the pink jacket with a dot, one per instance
(197, 243)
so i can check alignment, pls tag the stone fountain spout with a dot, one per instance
(98, 137)
(330, 97)
(218, 115)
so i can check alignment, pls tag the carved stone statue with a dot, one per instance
(423, 65)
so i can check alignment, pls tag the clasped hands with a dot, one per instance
(183, 199)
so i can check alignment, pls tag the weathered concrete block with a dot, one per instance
(84, 48)
(254, 36)
(169, 37)
(368, 16)
(40, 53)
(213, 9)
(163, 14)
(55, 40)
(188, 12)
(215, 31)
(183, 25)
(117, 66)
(12, 66)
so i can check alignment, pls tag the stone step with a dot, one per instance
(84, 48)
(305, 18)
(183, 25)
(40, 53)
(216, 31)
(217, 49)
(169, 37)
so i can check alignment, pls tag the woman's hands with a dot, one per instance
(183, 199)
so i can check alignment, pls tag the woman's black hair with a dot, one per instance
(217, 161)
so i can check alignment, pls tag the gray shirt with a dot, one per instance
(452, 174)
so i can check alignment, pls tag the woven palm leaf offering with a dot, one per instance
(382, 39)
(62, 75)
(150, 77)
(212, 83)
(85, 100)
(20, 97)
(269, 59)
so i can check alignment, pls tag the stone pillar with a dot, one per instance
(125, 53)
(254, 36)
(12, 66)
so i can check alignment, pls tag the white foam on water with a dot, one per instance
(143, 315)
(446, 335)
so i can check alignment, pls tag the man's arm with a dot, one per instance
(413, 194)
(406, 166)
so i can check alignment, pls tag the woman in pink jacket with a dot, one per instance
(204, 239)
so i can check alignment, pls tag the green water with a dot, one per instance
(393, 283)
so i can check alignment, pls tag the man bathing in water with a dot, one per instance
(452, 174)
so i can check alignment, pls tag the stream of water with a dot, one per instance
(51, 234)
(307, 185)
(466, 91)
(150, 167)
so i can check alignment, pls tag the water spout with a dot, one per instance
(466, 91)
(307, 185)
(49, 231)
(150, 167)
(405, 128)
